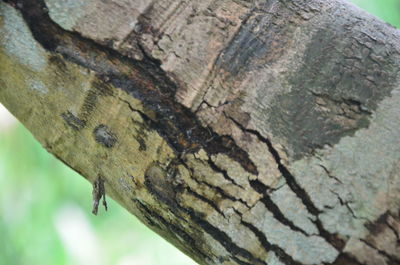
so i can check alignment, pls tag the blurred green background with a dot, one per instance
(45, 207)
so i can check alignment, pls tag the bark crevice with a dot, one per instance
(333, 239)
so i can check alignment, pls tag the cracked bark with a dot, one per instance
(244, 132)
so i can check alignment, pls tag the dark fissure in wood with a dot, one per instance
(223, 238)
(333, 239)
(280, 253)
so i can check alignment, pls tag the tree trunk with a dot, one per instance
(244, 132)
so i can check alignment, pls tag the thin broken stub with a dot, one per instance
(98, 193)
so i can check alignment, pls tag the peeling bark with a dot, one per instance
(244, 132)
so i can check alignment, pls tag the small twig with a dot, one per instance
(98, 193)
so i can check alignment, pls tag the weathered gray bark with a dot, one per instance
(244, 132)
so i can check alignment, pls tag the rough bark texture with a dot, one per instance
(244, 132)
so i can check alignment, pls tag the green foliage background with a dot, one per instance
(36, 189)
(388, 10)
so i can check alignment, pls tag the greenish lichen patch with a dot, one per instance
(340, 83)
(354, 182)
(303, 249)
(17, 41)
(308, 122)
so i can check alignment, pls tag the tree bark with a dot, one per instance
(244, 132)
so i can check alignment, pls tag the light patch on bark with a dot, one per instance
(359, 184)
(102, 21)
(305, 249)
(186, 49)
(17, 41)
(273, 259)
(67, 13)
(38, 86)
(292, 207)
(339, 219)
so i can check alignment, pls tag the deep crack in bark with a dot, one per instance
(280, 253)
(223, 172)
(390, 258)
(273, 208)
(223, 238)
(333, 239)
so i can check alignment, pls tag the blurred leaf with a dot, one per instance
(387, 10)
